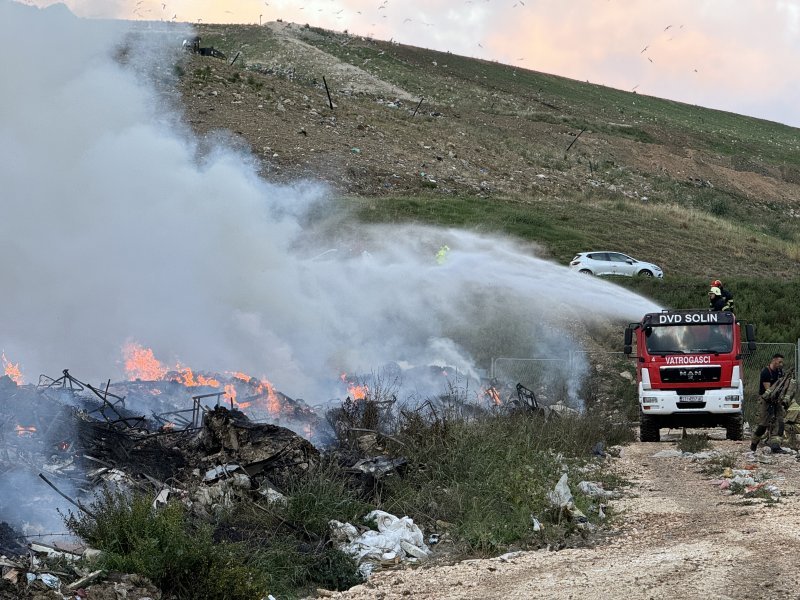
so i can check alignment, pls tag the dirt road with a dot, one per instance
(679, 536)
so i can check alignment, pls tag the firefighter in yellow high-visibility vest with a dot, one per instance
(441, 255)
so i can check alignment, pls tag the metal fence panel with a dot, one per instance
(753, 362)
(556, 378)
(545, 376)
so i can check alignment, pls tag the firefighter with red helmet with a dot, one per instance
(719, 298)
(717, 302)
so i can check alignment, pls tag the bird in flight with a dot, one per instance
(667, 27)
(643, 49)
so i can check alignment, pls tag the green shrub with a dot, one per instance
(246, 556)
(164, 545)
(254, 83)
(489, 476)
(693, 442)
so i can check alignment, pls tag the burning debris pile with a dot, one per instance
(67, 439)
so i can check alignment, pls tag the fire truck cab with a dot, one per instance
(689, 370)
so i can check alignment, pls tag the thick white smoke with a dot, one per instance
(116, 226)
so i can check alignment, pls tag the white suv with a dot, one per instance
(613, 263)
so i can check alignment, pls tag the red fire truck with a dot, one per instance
(689, 370)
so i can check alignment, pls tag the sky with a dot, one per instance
(733, 55)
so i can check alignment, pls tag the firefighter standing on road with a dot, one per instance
(770, 411)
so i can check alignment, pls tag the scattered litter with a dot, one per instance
(162, 498)
(54, 552)
(84, 581)
(272, 495)
(377, 466)
(561, 497)
(594, 490)
(705, 455)
(510, 556)
(743, 480)
(220, 471)
(397, 540)
(51, 581)
(598, 450)
(668, 454)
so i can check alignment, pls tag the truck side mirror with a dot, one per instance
(750, 334)
(628, 341)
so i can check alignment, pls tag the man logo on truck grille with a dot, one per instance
(690, 374)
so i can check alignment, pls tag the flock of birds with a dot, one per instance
(665, 36)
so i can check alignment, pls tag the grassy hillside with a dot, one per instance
(702, 192)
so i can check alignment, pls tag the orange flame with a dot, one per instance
(12, 370)
(493, 395)
(140, 363)
(273, 403)
(230, 391)
(357, 392)
(189, 379)
(23, 430)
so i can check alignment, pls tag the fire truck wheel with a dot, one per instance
(734, 428)
(648, 429)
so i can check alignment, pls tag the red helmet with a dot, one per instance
(716, 283)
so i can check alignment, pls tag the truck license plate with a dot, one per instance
(691, 398)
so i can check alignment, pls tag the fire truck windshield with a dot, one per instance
(689, 339)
